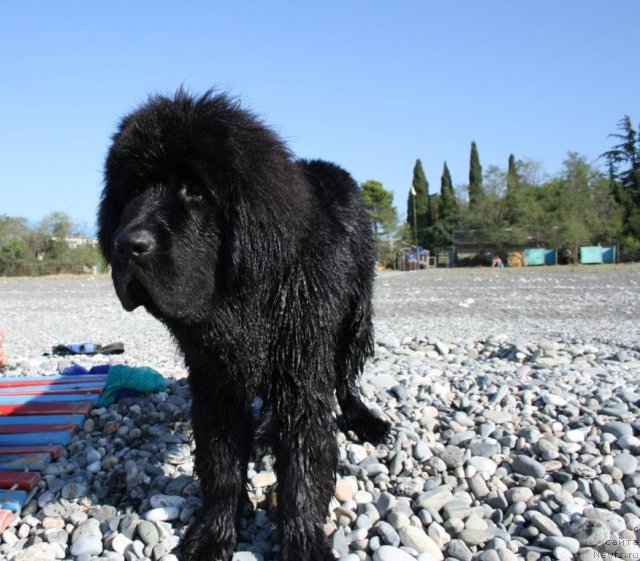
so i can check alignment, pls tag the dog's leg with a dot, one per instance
(357, 417)
(355, 345)
(222, 436)
(306, 461)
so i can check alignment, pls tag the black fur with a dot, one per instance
(262, 268)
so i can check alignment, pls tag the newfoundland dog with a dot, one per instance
(261, 267)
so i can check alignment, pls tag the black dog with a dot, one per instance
(262, 268)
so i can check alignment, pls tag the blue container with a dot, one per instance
(609, 254)
(550, 257)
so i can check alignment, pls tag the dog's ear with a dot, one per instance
(107, 216)
(109, 213)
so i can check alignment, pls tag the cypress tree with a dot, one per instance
(420, 202)
(476, 190)
(511, 210)
(448, 202)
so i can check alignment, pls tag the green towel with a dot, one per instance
(141, 378)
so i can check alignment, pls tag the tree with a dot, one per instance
(626, 182)
(12, 227)
(13, 247)
(476, 189)
(513, 207)
(442, 230)
(379, 204)
(577, 207)
(418, 205)
(57, 224)
(448, 201)
(576, 214)
(44, 249)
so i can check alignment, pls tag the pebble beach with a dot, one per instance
(514, 396)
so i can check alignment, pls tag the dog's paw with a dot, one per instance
(374, 430)
(203, 543)
(365, 425)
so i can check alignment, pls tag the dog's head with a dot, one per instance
(174, 206)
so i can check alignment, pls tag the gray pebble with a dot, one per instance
(434, 499)
(390, 553)
(387, 533)
(86, 546)
(526, 465)
(543, 523)
(148, 532)
(475, 537)
(570, 544)
(589, 532)
(618, 429)
(626, 463)
(458, 549)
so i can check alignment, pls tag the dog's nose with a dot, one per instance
(134, 242)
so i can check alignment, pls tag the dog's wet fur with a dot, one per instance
(261, 267)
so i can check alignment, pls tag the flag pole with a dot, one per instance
(415, 222)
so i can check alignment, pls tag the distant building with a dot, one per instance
(76, 241)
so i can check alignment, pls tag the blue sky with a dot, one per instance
(370, 85)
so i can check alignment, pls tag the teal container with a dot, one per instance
(534, 256)
(591, 255)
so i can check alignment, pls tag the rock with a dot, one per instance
(525, 465)
(458, 549)
(385, 503)
(475, 537)
(88, 529)
(618, 429)
(417, 539)
(345, 489)
(478, 486)
(73, 491)
(398, 520)
(56, 535)
(553, 399)
(159, 501)
(363, 497)
(434, 499)
(581, 470)
(162, 514)
(570, 544)
(486, 447)
(483, 465)
(547, 526)
(516, 494)
(588, 532)
(387, 533)
(614, 521)
(37, 552)
(497, 417)
(339, 542)
(626, 463)
(576, 435)
(86, 546)
(452, 456)
(599, 492)
(148, 532)
(390, 553)
(241, 556)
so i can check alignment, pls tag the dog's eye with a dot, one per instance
(189, 194)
